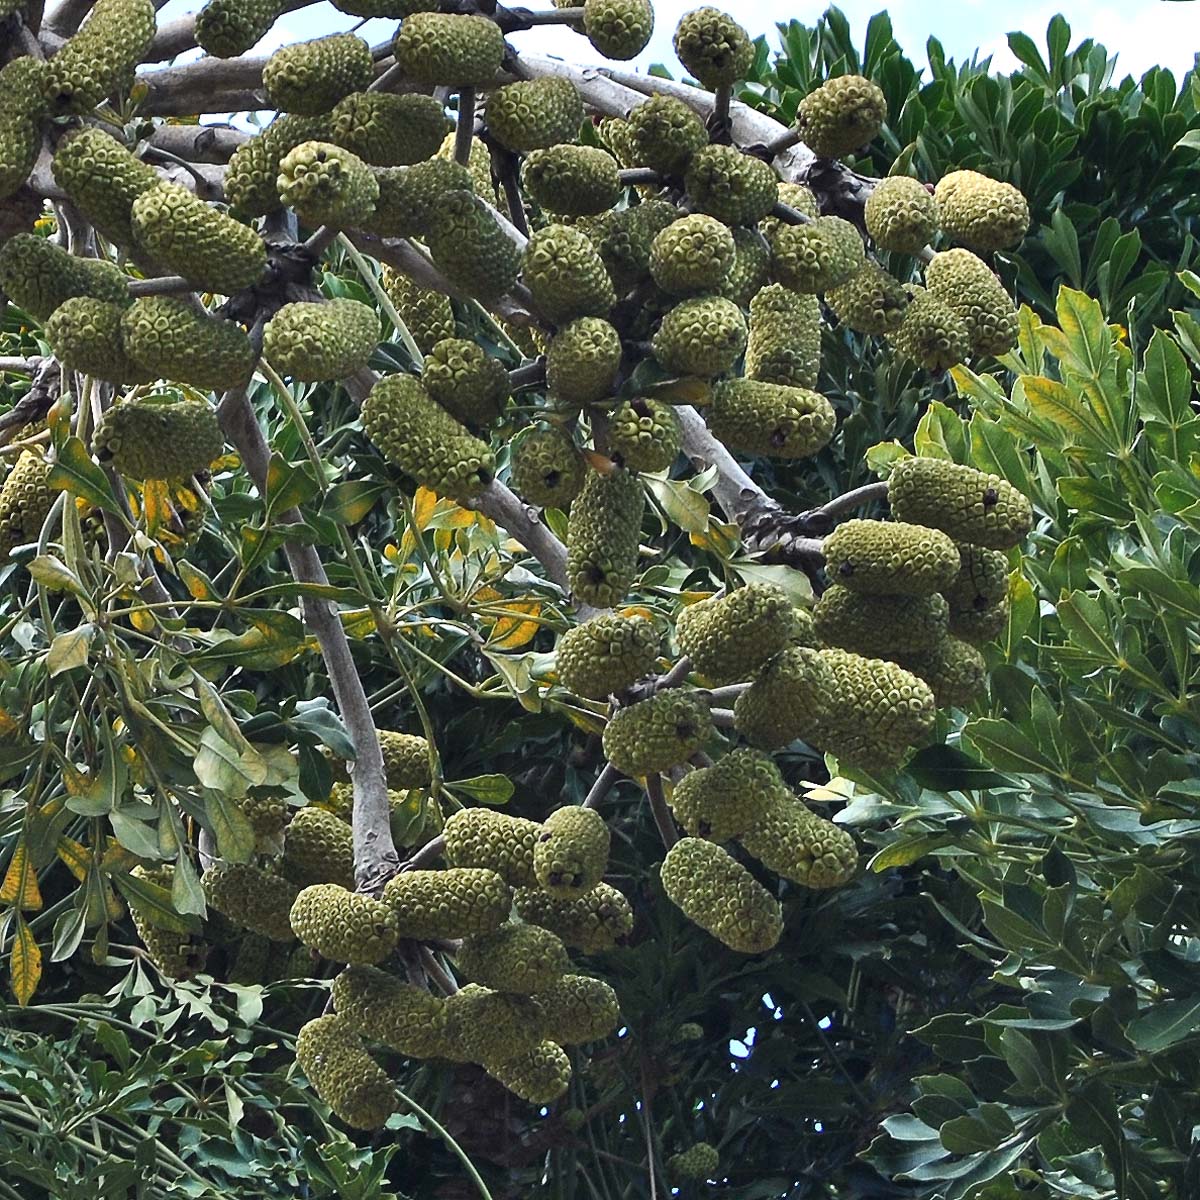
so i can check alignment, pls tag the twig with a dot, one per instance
(847, 502)
(162, 286)
(722, 718)
(676, 675)
(723, 695)
(66, 17)
(384, 82)
(531, 375)
(605, 782)
(437, 972)
(505, 168)
(425, 855)
(789, 215)
(19, 366)
(784, 141)
(633, 176)
(660, 811)
(464, 131)
(720, 128)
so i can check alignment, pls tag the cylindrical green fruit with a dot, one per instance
(547, 468)
(786, 700)
(736, 188)
(252, 177)
(932, 334)
(85, 335)
(389, 130)
(488, 1027)
(343, 1074)
(841, 116)
(901, 214)
(451, 50)
(818, 256)
(153, 439)
(624, 237)
(703, 336)
(311, 77)
(251, 898)
(410, 198)
(577, 181)
(603, 535)
(22, 112)
(796, 844)
(696, 1162)
(578, 1009)
(38, 276)
(327, 185)
(618, 29)
(100, 59)
(343, 925)
(713, 47)
(453, 903)
(228, 28)
(969, 505)
(750, 270)
(176, 954)
(571, 853)
(378, 1006)
(606, 654)
(427, 314)
(644, 435)
(170, 339)
(25, 502)
(533, 114)
(870, 301)
(784, 345)
(540, 1075)
(207, 247)
(405, 759)
(982, 626)
(795, 196)
(514, 958)
(102, 179)
(956, 672)
(966, 283)
(596, 921)
(481, 837)
(415, 434)
(566, 276)
(466, 381)
(318, 848)
(730, 797)
(583, 360)
(470, 247)
(881, 625)
(891, 556)
(728, 637)
(657, 734)
(321, 340)
(693, 254)
(981, 582)
(664, 133)
(980, 213)
(770, 418)
(714, 891)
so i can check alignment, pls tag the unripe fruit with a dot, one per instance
(451, 50)
(841, 116)
(547, 468)
(980, 213)
(343, 925)
(713, 47)
(315, 341)
(100, 59)
(327, 185)
(606, 654)
(728, 637)
(577, 181)
(534, 114)
(693, 254)
(770, 419)
(657, 734)
(583, 360)
(644, 435)
(603, 534)
(704, 336)
(571, 853)
(736, 188)
(167, 337)
(343, 1074)
(901, 214)
(664, 133)
(891, 556)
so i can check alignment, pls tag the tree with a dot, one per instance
(537, 643)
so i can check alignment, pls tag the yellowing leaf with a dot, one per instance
(20, 886)
(143, 620)
(636, 610)
(77, 857)
(76, 781)
(157, 503)
(512, 632)
(25, 963)
(9, 725)
(424, 502)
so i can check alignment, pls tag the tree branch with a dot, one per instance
(198, 143)
(660, 811)
(66, 17)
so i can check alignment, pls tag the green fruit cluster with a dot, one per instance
(713, 47)
(427, 314)
(318, 848)
(252, 178)
(606, 654)
(692, 254)
(534, 114)
(577, 181)
(603, 535)
(343, 1074)
(657, 734)
(980, 213)
(156, 439)
(171, 340)
(902, 215)
(729, 798)
(327, 185)
(726, 637)
(251, 897)
(644, 435)
(102, 179)
(699, 1161)
(466, 381)
(228, 28)
(22, 110)
(480, 837)
(343, 925)
(321, 340)
(38, 276)
(583, 360)
(25, 502)
(891, 557)
(384, 1009)
(596, 921)
(514, 958)
(771, 419)
(818, 256)
(469, 246)
(100, 59)
(841, 116)
(565, 275)
(453, 903)
(571, 852)
(547, 468)
(704, 336)
(449, 50)
(784, 343)
(311, 77)
(796, 844)
(388, 130)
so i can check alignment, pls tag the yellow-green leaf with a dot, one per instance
(20, 886)
(25, 963)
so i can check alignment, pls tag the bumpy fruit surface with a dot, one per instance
(966, 283)
(931, 334)
(427, 314)
(714, 891)
(796, 844)
(713, 47)
(85, 335)
(606, 654)
(228, 28)
(175, 953)
(697, 1162)
(571, 853)
(770, 418)
(786, 700)
(956, 672)
(728, 637)
(881, 624)
(578, 1009)
(582, 360)
(565, 275)
(784, 345)
(547, 468)
(22, 110)
(818, 256)
(736, 188)
(102, 179)
(969, 505)
(596, 921)
(447, 49)
(252, 176)
(539, 1076)
(100, 59)
(469, 246)
(343, 1074)
(320, 340)
(514, 958)
(751, 268)
(38, 276)
(405, 759)
(730, 797)
(901, 214)
(980, 213)
(411, 198)
(890, 556)
(981, 626)
(208, 248)
(533, 114)
(251, 897)
(454, 903)
(152, 439)
(704, 336)
(618, 29)
(327, 185)
(603, 534)
(658, 733)
(796, 196)
(413, 432)
(343, 925)
(871, 301)
(378, 1006)
(478, 165)
(466, 381)
(664, 134)
(171, 340)
(841, 116)
(479, 837)
(318, 848)
(624, 238)
(692, 254)
(644, 434)
(981, 582)
(25, 502)
(577, 181)
(311, 77)
(488, 1027)
(388, 130)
